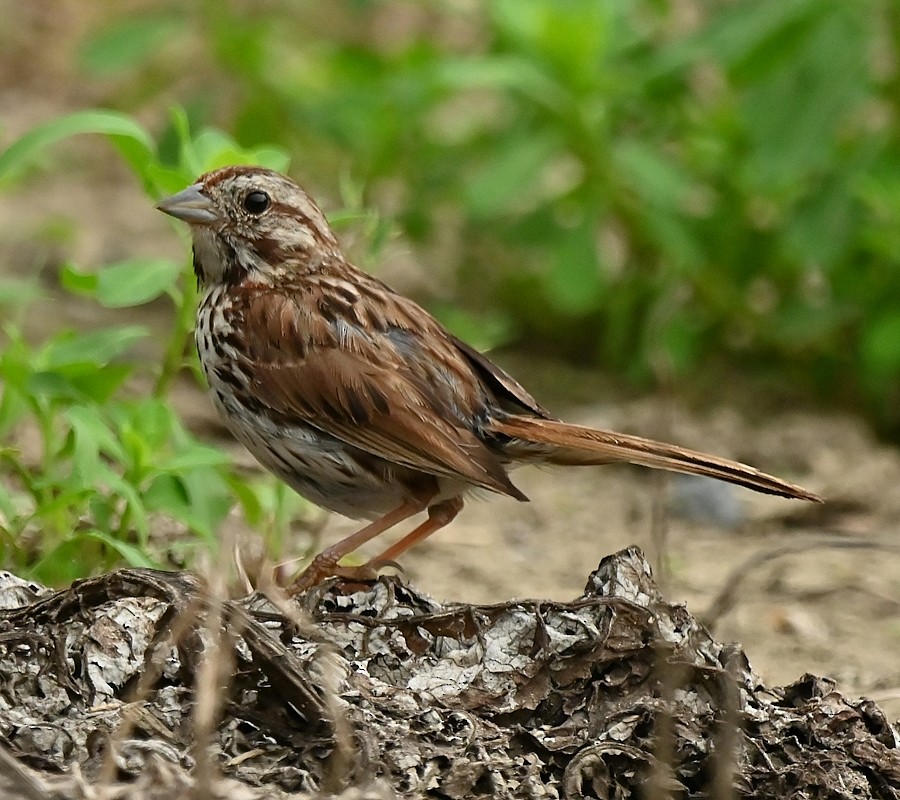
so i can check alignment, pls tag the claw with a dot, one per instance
(377, 564)
(363, 573)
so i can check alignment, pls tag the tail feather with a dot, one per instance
(561, 443)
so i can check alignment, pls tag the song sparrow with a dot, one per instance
(355, 395)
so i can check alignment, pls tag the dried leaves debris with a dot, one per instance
(376, 690)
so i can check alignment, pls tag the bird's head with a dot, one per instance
(251, 221)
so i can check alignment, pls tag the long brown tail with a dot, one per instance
(560, 443)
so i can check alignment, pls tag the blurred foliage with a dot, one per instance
(630, 184)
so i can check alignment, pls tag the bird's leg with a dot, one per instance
(325, 563)
(439, 515)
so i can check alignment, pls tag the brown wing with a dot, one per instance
(508, 392)
(355, 367)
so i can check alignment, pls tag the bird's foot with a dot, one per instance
(322, 568)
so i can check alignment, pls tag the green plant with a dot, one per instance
(110, 461)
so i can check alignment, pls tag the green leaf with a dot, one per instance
(738, 35)
(101, 383)
(195, 457)
(108, 123)
(93, 438)
(51, 385)
(133, 555)
(505, 72)
(673, 238)
(199, 499)
(800, 325)
(18, 292)
(128, 283)
(483, 331)
(212, 148)
(69, 560)
(574, 281)
(149, 422)
(210, 501)
(821, 230)
(681, 340)
(880, 349)
(93, 348)
(794, 115)
(126, 43)
(506, 183)
(653, 178)
(168, 495)
(249, 499)
(17, 355)
(8, 510)
(78, 282)
(572, 36)
(13, 406)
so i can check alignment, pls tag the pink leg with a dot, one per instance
(325, 563)
(439, 515)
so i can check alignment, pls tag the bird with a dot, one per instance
(357, 397)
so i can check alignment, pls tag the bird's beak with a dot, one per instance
(190, 205)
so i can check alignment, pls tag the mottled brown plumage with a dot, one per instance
(355, 395)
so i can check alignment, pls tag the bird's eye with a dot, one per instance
(256, 202)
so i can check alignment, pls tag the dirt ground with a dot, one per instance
(831, 607)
